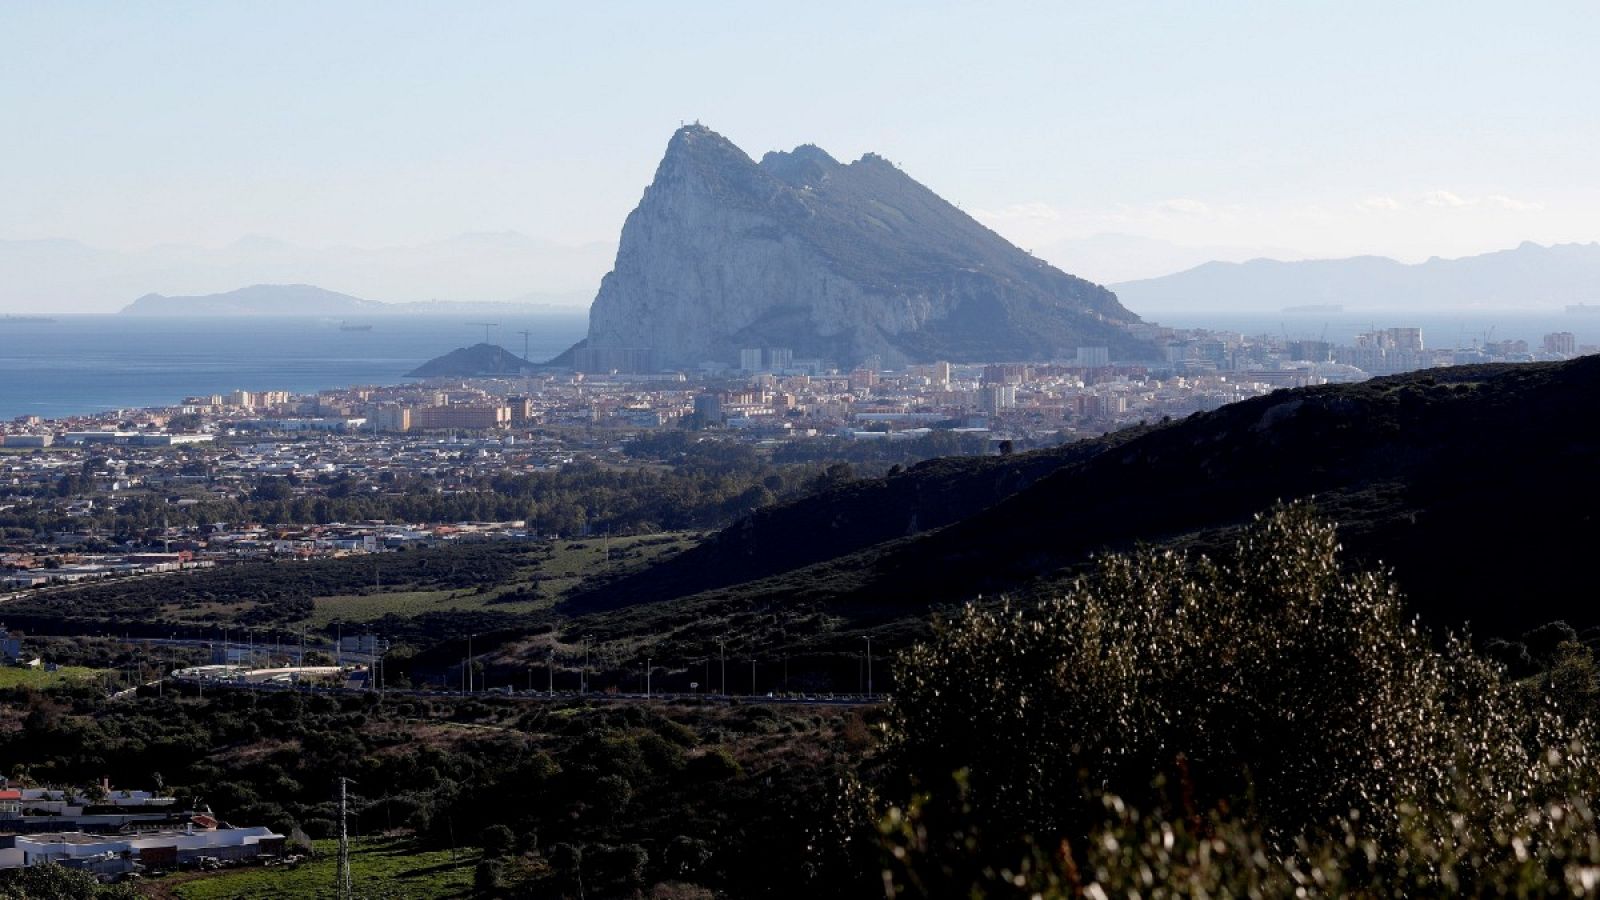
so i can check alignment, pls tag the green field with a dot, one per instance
(12, 676)
(551, 577)
(380, 869)
(367, 607)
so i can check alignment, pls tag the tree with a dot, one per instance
(1274, 682)
(566, 862)
(496, 841)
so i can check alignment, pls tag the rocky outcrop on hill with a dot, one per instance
(470, 362)
(837, 261)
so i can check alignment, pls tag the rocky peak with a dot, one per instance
(806, 166)
(841, 262)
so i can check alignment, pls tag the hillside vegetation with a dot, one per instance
(1474, 483)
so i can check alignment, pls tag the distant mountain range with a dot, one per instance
(846, 262)
(63, 276)
(1530, 277)
(310, 300)
(1109, 258)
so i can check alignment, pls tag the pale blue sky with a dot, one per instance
(1324, 128)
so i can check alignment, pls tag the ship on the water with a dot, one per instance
(346, 326)
(26, 320)
(1584, 308)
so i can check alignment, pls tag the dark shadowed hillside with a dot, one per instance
(845, 518)
(1475, 483)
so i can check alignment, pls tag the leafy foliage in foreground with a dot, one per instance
(53, 882)
(1281, 724)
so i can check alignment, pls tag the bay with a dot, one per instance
(82, 364)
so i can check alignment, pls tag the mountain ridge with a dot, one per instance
(311, 300)
(1529, 276)
(255, 300)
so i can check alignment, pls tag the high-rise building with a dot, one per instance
(779, 358)
(1312, 351)
(521, 410)
(1562, 342)
(708, 409)
(1094, 357)
(997, 397)
(1404, 338)
(750, 359)
(391, 417)
(461, 416)
(625, 360)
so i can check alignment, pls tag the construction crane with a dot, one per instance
(525, 335)
(485, 326)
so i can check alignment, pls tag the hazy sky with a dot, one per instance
(1327, 128)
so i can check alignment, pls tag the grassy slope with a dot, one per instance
(500, 577)
(379, 868)
(11, 676)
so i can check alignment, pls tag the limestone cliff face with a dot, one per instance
(835, 261)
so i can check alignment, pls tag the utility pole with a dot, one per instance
(551, 668)
(647, 678)
(345, 884)
(470, 675)
(723, 647)
(869, 668)
(752, 676)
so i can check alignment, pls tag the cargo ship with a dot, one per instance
(1584, 309)
(26, 320)
(346, 326)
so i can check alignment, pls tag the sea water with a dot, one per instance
(76, 365)
(79, 364)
